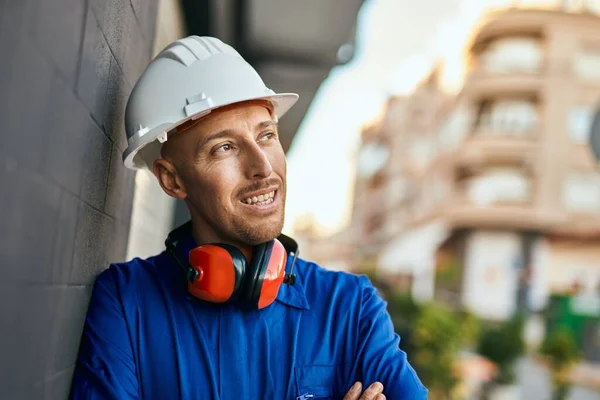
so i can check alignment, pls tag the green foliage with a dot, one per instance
(402, 305)
(561, 349)
(436, 340)
(404, 312)
(449, 274)
(503, 345)
(470, 328)
(432, 335)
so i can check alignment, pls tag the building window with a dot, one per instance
(374, 223)
(440, 190)
(397, 190)
(422, 151)
(592, 6)
(508, 55)
(579, 124)
(372, 158)
(455, 128)
(499, 185)
(581, 192)
(377, 180)
(508, 117)
(587, 64)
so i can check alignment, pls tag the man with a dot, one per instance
(236, 323)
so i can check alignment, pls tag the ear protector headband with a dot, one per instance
(219, 273)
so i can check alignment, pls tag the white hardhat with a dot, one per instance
(187, 80)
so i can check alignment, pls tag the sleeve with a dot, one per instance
(105, 367)
(379, 357)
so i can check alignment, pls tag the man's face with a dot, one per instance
(232, 169)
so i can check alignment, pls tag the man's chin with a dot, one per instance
(255, 240)
(256, 235)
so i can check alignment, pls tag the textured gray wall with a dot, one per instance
(66, 69)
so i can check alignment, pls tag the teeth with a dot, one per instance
(262, 199)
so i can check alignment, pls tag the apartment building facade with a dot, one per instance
(491, 198)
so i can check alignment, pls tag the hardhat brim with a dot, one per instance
(282, 103)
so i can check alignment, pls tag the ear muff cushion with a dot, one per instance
(218, 276)
(257, 269)
(274, 275)
(239, 266)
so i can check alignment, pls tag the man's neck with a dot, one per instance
(200, 239)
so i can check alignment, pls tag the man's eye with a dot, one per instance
(267, 136)
(223, 148)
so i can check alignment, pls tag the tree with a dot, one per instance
(503, 345)
(436, 341)
(562, 353)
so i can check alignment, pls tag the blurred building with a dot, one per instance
(491, 199)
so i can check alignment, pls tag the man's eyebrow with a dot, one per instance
(225, 133)
(267, 124)
(218, 135)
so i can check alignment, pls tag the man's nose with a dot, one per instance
(259, 165)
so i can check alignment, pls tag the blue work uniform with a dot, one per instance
(145, 337)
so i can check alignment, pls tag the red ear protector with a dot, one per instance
(219, 273)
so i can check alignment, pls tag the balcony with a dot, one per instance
(513, 62)
(486, 83)
(486, 147)
(493, 217)
(462, 213)
(580, 204)
(531, 22)
(512, 22)
(495, 197)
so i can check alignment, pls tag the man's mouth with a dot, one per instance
(260, 200)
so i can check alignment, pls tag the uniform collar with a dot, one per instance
(294, 295)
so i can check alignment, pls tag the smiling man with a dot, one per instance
(230, 169)
(222, 313)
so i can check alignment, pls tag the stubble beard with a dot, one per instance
(250, 234)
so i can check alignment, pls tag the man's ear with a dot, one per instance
(169, 179)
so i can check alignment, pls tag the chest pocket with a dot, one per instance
(316, 382)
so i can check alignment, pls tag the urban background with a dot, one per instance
(441, 147)
(474, 203)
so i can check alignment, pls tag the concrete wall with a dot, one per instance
(66, 71)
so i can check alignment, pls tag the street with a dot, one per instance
(535, 383)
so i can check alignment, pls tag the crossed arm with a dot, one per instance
(106, 368)
(380, 362)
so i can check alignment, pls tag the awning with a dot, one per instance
(413, 252)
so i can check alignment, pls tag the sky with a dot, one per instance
(398, 43)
